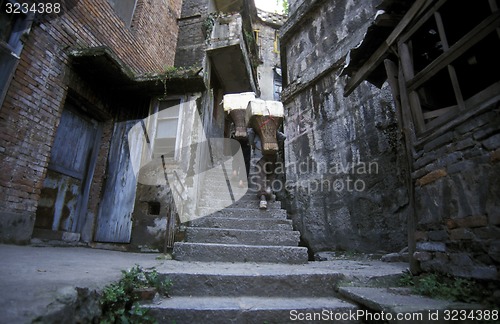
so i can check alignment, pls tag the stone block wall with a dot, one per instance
(33, 104)
(193, 33)
(344, 156)
(346, 188)
(457, 194)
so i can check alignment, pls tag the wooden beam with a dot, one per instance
(439, 112)
(451, 68)
(393, 74)
(407, 72)
(379, 55)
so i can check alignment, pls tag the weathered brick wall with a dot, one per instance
(457, 196)
(33, 104)
(363, 207)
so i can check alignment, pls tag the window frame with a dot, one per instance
(153, 119)
(14, 45)
(276, 42)
(129, 19)
(412, 81)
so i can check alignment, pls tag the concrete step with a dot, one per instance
(260, 310)
(224, 219)
(210, 252)
(245, 237)
(251, 204)
(394, 301)
(214, 191)
(244, 213)
(251, 284)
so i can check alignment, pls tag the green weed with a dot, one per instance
(120, 304)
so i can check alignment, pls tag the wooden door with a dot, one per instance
(114, 220)
(63, 202)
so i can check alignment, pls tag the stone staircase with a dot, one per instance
(241, 232)
(241, 264)
(247, 293)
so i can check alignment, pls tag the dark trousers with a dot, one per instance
(265, 175)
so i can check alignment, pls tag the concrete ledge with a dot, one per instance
(243, 223)
(245, 213)
(248, 237)
(275, 284)
(244, 309)
(206, 252)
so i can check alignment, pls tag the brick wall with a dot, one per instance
(31, 110)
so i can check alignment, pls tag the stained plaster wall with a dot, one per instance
(363, 208)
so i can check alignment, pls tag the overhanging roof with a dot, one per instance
(101, 67)
(365, 60)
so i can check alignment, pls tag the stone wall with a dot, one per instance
(269, 55)
(457, 194)
(33, 104)
(344, 156)
(192, 33)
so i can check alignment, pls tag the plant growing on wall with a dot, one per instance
(208, 25)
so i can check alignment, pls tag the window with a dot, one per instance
(256, 35)
(276, 42)
(12, 28)
(278, 83)
(165, 126)
(124, 9)
(451, 60)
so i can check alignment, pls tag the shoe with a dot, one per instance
(263, 204)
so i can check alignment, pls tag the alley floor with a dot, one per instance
(43, 284)
(35, 281)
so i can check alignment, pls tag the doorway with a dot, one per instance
(64, 196)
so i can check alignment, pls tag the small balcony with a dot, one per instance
(228, 6)
(229, 54)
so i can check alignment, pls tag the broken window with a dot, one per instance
(451, 60)
(12, 27)
(124, 9)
